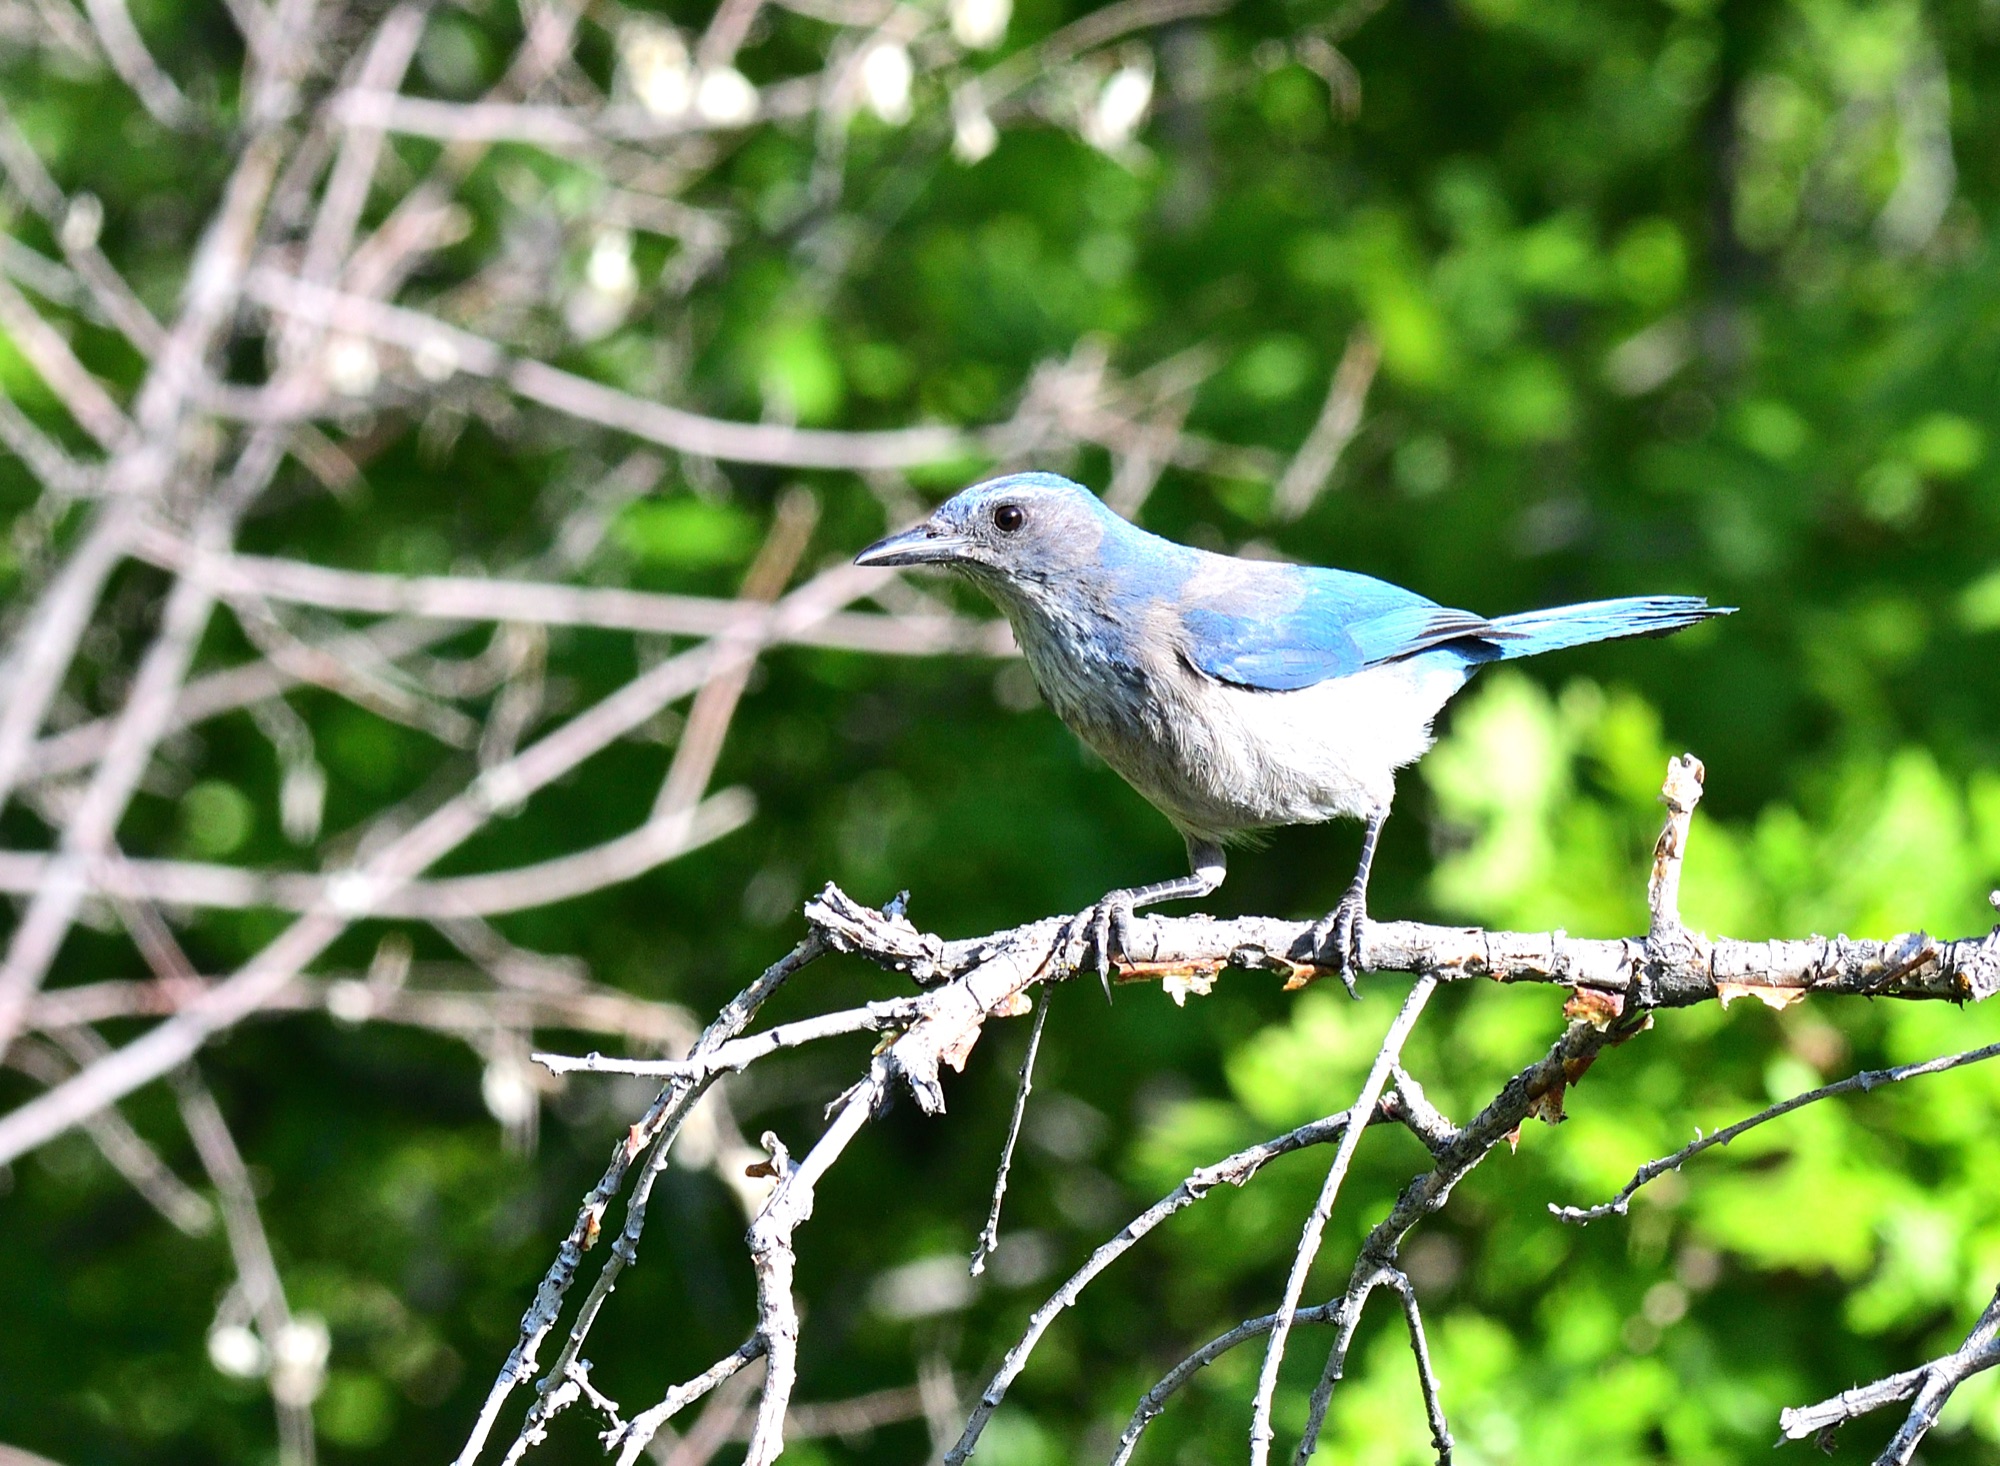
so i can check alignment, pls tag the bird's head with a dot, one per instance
(1016, 530)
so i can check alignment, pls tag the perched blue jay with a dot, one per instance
(1235, 695)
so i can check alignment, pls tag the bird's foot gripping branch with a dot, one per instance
(960, 986)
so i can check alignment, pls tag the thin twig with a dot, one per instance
(497, 598)
(1234, 1170)
(671, 427)
(1863, 1082)
(774, 1261)
(295, 1378)
(738, 1054)
(128, 1153)
(1360, 1288)
(1386, 1059)
(88, 834)
(1308, 474)
(71, 383)
(631, 1442)
(714, 707)
(126, 50)
(1413, 1318)
(1154, 1401)
(989, 1235)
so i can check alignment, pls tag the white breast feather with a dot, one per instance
(1241, 759)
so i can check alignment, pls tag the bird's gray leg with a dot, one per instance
(1109, 921)
(1342, 926)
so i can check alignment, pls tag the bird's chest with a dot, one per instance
(1104, 683)
(1131, 699)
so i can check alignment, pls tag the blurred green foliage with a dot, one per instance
(1682, 297)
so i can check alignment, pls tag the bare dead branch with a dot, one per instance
(81, 394)
(671, 427)
(1095, 29)
(1863, 1082)
(126, 50)
(127, 1151)
(216, 693)
(355, 999)
(669, 1110)
(709, 716)
(388, 57)
(736, 1055)
(965, 983)
(1235, 1170)
(42, 647)
(347, 670)
(568, 130)
(54, 901)
(1154, 1401)
(989, 1235)
(1152, 449)
(75, 224)
(1386, 1058)
(1931, 1383)
(638, 1433)
(1413, 1319)
(297, 1373)
(494, 598)
(544, 883)
(850, 1417)
(41, 455)
(1359, 1290)
(773, 1260)
(1309, 472)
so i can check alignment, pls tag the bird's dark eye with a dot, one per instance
(1008, 518)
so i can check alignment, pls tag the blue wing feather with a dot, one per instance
(1282, 627)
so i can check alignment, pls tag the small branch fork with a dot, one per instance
(1615, 986)
(1932, 1384)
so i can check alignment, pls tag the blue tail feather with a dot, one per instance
(1533, 632)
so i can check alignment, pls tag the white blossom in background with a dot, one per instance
(83, 222)
(1113, 119)
(349, 1000)
(435, 359)
(298, 1360)
(980, 25)
(725, 97)
(886, 76)
(302, 801)
(508, 1088)
(610, 269)
(922, 1289)
(609, 283)
(236, 1351)
(509, 1091)
(656, 66)
(351, 366)
(973, 134)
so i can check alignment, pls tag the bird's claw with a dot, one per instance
(1103, 930)
(1338, 934)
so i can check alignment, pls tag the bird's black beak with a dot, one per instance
(926, 544)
